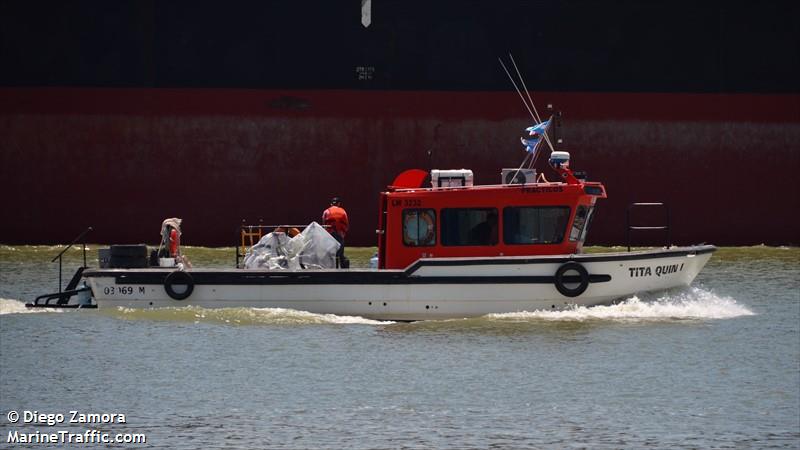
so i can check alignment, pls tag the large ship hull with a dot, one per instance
(73, 158)
(139, 110)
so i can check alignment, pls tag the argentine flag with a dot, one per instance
(537, 134)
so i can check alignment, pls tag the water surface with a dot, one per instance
(716, 365)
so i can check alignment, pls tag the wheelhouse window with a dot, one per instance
(534, 224)
(580, 225)
(469, 226)
(419, 227)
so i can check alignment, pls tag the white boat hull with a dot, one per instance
(430, 289)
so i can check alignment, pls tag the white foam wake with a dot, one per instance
(10, 306)
(319, 318)
(239, 316)
(696, 304)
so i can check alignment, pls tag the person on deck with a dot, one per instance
(335, 217)
(170, 238)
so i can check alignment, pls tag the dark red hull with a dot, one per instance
(122, 160)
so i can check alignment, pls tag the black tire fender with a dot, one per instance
(178, 277)
(582, 273)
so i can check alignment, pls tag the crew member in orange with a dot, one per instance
(170, 246)
(174, 242)
(336, 218)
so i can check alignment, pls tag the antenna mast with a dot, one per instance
(531, 109)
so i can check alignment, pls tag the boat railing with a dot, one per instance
(538, 183)
(62, 297)
(59, 257)
(629, 227)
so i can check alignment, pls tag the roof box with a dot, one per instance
(451, 178)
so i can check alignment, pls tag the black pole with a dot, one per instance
(628, 226)
(80, 236)
(669, 240)
(237, 243)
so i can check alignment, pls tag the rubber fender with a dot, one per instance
(582, 274)
(178, 277)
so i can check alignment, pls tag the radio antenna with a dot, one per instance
(522, 80)
(533, 116)
(534, 113)
(534, 156)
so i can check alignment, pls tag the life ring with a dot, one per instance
(178, 277)
(424, 223)
(582, 273)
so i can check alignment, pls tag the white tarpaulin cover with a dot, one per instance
(314, 248)
(173, 222)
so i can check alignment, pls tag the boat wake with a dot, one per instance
(237, 316)
(11, 306)
(689, 304)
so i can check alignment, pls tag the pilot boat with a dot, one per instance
(447, 248)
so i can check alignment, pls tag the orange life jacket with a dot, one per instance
(336, 218)
(174, 241)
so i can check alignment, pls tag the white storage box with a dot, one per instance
(166, 262)
(451, 178)
(517, 176)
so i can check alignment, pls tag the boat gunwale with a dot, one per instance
(347, 276)
(577, 257)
